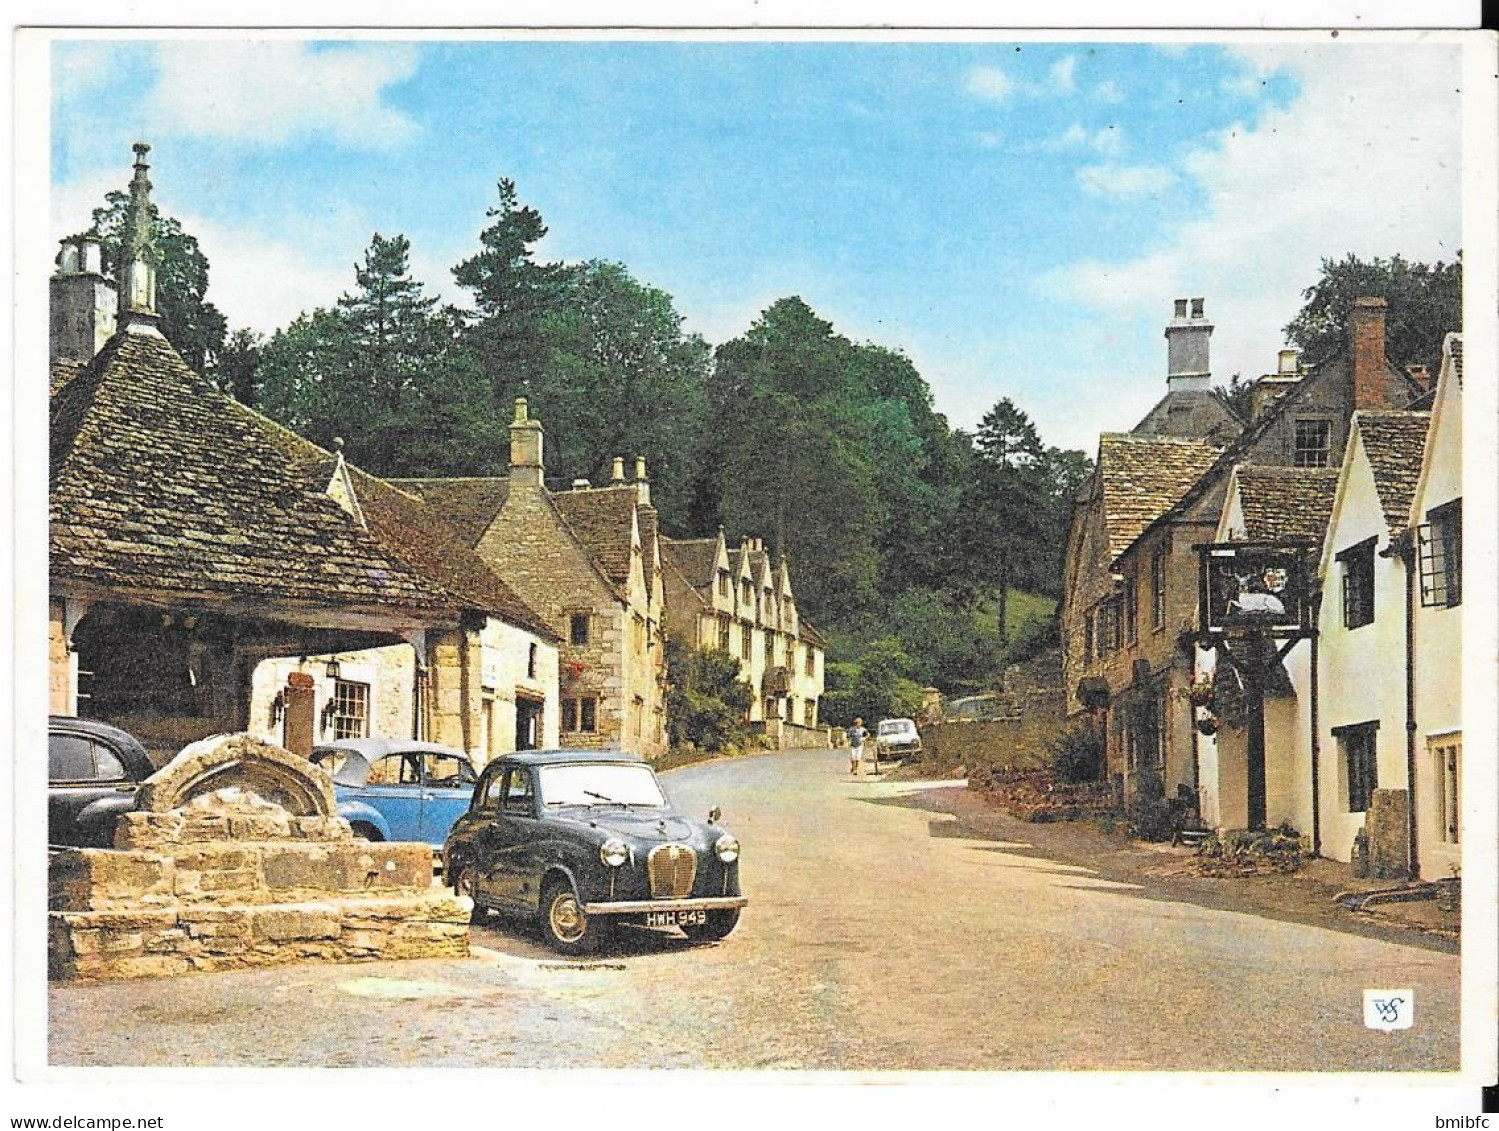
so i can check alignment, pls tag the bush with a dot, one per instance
(1077, 752)
(1151, 816)
(1243, 852)
(706, 702)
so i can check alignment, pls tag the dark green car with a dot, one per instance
(585, 840)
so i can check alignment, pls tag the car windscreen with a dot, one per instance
(599, 784)
(899, 726)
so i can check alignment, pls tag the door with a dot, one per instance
(510, 844)
(448, 785)
(527, 723)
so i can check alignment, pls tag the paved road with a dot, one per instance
(876, 938)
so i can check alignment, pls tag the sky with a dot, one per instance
(1016, 215)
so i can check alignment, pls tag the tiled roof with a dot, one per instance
(695, 558)
(1286, 502)
(669, 566)
(468, 506)
(1142, 477)
(63, 372)
(811, 634)
(1394, 443)
(160, 482)
(602, 519)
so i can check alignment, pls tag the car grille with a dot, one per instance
(672, 868)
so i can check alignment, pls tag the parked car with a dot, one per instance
(585, 840)
(93, 773)
(896, 737)
(389, 789)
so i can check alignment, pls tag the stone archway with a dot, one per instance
(242, 760)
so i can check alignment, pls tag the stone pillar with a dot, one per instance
(300, 719)
(61, 680)
(454, 691)
(1385, 825)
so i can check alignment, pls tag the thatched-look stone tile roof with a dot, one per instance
(1394, 443)
(1141, 477)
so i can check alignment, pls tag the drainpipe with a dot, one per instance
(1316, 738)
(1407, 557)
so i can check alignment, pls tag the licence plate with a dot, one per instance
(676, 918)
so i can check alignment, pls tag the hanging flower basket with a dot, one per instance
(1208, 725)
(574, 669)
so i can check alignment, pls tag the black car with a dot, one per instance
(584, 840)
(93, 773)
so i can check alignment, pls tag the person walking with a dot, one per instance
(856, 735)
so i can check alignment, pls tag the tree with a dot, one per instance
(391, 322)
(235, 372)
(512, 293)
(706, 701)
(1425, 302)
(195, 327)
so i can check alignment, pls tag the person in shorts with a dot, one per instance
(856, 735)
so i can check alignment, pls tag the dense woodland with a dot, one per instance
(927, 554)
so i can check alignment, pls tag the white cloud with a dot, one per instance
(1366, 159)
(1107, 140)
(1062, 73)
(1109, 91)
(274, 91)
(991, 83)
(1124, 180)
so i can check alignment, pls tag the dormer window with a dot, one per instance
(723, 583)
(746, 591)
(1313, 443)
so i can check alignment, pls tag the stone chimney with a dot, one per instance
(525, 447)
(1187, 335)
(1366, 344)
(138, 256)
(617, 474)
(84, 304)
(1289, 361)
(642, 484)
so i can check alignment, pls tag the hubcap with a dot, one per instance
(567, 917)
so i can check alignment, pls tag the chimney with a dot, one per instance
(617, 475)
(525, 447)
(642, 484)
(1366, 343)
(84, 304)
(581, 485)
(138, 256)
(1290, 361)
(1187, 337)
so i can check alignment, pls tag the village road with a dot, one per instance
(878, 937)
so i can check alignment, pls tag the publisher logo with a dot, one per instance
(1389, 1009)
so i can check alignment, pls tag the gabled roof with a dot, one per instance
(160, 482)
(1141, 477)
(1281, 503)
(468, 506)
(1191, 414)
(696, 559)
(1394, 443)
(604, 520)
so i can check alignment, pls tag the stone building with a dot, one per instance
(1131, 578)
(742, 603)
(192, 540)
(588, 560)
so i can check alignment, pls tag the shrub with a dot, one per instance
(1151, 816)
(1077, 752)
(1245, 852)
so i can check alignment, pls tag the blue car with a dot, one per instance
(394, 789)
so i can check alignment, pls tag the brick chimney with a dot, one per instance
(1187, 334)
(1366, 344)
(525, 447)
(84, 304)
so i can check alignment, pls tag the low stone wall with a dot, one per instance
(1012, 744)
(230, 880)
(806, 738)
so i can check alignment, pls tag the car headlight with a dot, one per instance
(726, 848)
(614, 852)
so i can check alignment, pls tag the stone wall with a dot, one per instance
(1013, 743)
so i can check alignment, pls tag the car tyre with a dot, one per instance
(718, 926)
(366, 831)
(463, 884)
(568, 929)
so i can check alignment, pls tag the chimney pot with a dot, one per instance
(521, 410)
(617, 475)
(1181, 308)
(1197, 308)
(640, 469)
(526, 442)
(1289, 361)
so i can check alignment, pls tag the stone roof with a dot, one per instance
(161, 483)
(1141, 477)
(468, 506)
(602, 518)
(1394, 443)
(1286, 502)
(811, 634)
(696, 559)
(63, 371)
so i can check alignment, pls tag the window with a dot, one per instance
(517, 796)
(811, 662)
(746, 591)
(1088, 637)
(577, 632)
(770, 648)
(72, 757)
(723, 634)
(580, 715)
(809, 713)
(1158, 587)
(1313, 443)
(1131, 611)
(395, 769)
(531, 655)
(1440, 545)
(351, 709)
(1358, 584)
(446, 771)
(1447, 754)
(1359, 748)
(723, 583)
(744, 642)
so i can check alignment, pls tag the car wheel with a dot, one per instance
(567, 927)
(463, 884)
(365, 831)
(718, 926)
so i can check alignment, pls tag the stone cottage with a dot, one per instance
(742, 603)
(588, 560)
(192, 539)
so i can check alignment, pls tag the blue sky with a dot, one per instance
(1016, 215)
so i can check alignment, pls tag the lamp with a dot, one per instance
(332, 670)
